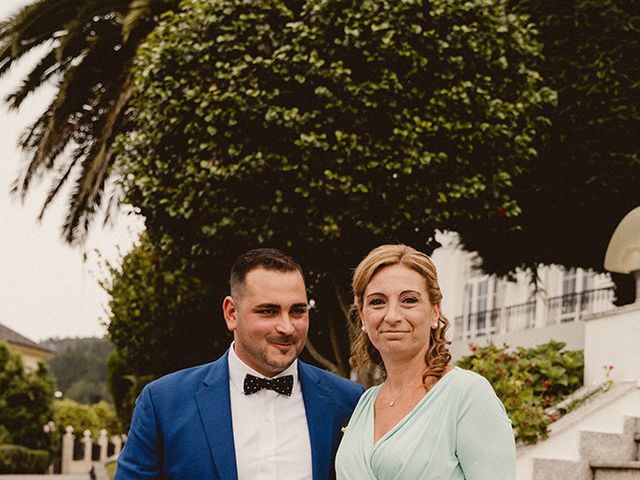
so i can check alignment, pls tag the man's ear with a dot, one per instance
(230, 311)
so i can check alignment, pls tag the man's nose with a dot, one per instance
(285, 325)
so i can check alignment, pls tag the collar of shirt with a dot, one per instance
(270, 431)
(238, 370)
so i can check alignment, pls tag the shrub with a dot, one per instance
(528, 380)
(18, 459)
(107, 417)
(86, 417)
(25, 401)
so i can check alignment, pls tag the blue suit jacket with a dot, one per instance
(181, 426)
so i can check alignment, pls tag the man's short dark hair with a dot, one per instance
(267, 258)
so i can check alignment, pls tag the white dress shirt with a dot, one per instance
(270, 431)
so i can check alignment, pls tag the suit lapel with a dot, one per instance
(320, 412)
(214, 405)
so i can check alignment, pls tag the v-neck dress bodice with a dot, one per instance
(458, 431)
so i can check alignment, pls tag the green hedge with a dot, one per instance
(18, 459)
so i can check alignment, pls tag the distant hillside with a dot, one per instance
(79, 367)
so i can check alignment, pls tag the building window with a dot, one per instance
(576, 297)
(480, 317)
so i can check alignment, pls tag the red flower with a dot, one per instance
(501, 211)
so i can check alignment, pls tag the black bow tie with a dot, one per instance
(253, 384)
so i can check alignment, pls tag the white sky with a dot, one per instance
(45, 287)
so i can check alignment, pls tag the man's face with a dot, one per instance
(269, 320)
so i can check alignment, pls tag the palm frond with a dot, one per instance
(57, 184)
(95, 166)
(40, 74)
(88, 52)
(78, 89)
(36, 136)
(34, 25)
(138, 9)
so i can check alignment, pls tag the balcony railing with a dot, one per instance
(520, 317)
(565, 308)
(572, 307)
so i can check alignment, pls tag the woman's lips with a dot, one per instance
(393, 333)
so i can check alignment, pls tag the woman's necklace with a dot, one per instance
(393, 399)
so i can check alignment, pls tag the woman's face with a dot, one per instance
(397, 313)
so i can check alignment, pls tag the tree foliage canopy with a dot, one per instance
(323, 128)
(162, 317)
(586, 177)
(329, 129)
(25, 402)
(79, 367)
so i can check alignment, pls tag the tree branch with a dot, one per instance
(318, 357)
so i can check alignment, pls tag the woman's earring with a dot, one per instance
(364, 329)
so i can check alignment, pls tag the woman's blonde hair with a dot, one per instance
(364, 356)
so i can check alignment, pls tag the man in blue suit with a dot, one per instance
(255, 413)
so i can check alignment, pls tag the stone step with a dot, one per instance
(616, 471)
(603, 456)
(556, 469)
(606, 448)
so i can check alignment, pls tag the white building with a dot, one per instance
(483, 308)
(600, 439)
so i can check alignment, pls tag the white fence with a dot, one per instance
(71, 465)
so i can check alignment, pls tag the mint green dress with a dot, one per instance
(458, 431)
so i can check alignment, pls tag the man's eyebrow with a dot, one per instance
(268, 305)
(300, 305)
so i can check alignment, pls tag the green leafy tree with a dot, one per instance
(162, 318)
(585, 179)
(323, 128)
(25, 402)
(79, 367)
(125, 386)
(85, 49)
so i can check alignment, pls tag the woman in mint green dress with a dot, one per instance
(427, 420)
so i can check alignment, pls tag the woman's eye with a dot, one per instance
(410, 300)
(375, 301)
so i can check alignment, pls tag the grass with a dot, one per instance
(111, 469)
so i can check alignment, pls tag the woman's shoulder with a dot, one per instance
(467, 382)
(467, 376)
